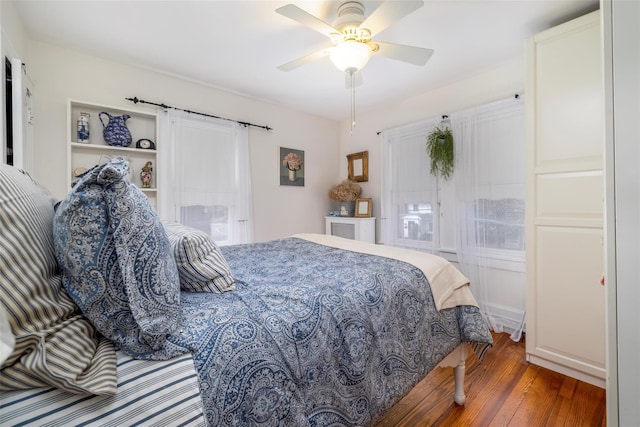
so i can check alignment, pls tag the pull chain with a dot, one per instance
(352, 82)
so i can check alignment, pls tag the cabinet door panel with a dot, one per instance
(566, 196)
(569, 122)
(570, 299)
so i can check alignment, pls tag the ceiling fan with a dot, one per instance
(352, 33)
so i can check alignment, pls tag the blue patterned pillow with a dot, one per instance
(116, 261)
(201, 265)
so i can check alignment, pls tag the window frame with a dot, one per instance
(236, 199)
(504, 259)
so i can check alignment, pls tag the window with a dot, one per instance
(209, 183)
(213, 220)
(499, 224)
(410, 202)
(490, 166)
(417, 222)
(480, 209)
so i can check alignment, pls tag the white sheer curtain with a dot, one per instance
(490, 190)
(409, 193)
(206, 166)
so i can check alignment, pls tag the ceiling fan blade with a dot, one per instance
(401, 52)
(292, 11)
(305, 59)
(388, 13)
(357, 80)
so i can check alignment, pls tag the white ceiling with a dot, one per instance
(237, 45)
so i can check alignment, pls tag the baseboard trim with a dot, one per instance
(581, 376)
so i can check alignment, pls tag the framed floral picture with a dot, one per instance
(291, 167)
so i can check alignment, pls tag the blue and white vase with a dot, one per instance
(83, 128)
(115, 131)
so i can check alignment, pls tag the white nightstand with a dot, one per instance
(351, 228)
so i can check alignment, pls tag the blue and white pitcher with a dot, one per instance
(115, 131)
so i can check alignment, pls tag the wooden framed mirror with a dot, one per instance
(358, 166)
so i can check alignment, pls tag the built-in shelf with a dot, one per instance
(109, 148)
(141, 124)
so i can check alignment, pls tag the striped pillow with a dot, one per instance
(55, 345)
(201, 265)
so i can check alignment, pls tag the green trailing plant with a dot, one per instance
(440, 149)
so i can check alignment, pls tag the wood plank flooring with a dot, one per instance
(504, 390)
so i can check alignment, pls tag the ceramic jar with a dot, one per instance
(115, 131)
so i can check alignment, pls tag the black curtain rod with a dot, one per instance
(135, 100)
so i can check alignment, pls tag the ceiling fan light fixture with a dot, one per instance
(350, 55)
(351, 35)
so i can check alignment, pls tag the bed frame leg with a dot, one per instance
(456, 359)
(458, 376)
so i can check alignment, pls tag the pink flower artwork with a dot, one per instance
(292, 161)
(292, 167)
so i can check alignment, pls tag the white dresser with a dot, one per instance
(351, 228)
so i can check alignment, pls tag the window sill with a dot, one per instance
(496, 259)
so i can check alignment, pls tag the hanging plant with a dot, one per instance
(440, 149)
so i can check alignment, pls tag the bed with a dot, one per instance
(311, 330)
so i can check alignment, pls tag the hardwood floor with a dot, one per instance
(504, 390)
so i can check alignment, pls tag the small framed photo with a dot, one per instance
(363, 208)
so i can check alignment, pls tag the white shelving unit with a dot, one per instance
(351, 228)
(86, 155)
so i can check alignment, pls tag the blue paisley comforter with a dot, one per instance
(316, 336)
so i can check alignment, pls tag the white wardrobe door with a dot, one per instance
(565, 191)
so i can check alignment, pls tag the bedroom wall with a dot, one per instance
(14, 37)
(60, 74)
(499, 82)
